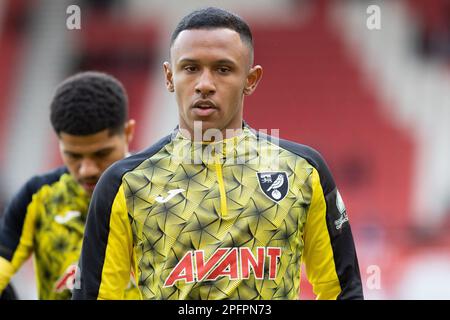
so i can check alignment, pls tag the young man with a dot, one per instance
(229, 219)
(47, 216)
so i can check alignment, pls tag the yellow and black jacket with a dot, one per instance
(46, 217)
(228, 220)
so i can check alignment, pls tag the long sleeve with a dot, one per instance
(16, 233)
(107, 251)
(329, 252)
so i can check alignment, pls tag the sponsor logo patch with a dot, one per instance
(342, 210)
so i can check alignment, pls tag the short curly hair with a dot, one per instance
(89, 102)
(214, 18)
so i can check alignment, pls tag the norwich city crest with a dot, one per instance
(275, 185)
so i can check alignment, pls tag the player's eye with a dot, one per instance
(190, 68)
(223, 70)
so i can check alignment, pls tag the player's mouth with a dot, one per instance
(204, 108)
(89, 186)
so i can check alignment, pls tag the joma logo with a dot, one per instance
(234, 263)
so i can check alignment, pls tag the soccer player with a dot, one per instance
(89, 113)
(216, 210)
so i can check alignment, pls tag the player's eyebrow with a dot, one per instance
(71, 153)
(103, 151)
(187, 60)
(226, 62)
(220, 61)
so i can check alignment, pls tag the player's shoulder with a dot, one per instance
(16, 209)
(312, 157)
(117, 170)
(37, 182)
(315, 159)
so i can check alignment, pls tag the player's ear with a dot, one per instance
(129, 129)
(253, 78)
(169, 77)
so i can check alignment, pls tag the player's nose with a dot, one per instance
(205, 84)
(88, 168)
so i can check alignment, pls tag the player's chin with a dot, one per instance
(204, 123)
(211, 128)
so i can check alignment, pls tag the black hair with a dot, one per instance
(213, 18)
(89, 102)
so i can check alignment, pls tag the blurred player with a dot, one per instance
(229, 219)
(89, 114)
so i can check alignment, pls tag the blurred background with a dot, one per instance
(374, 102)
